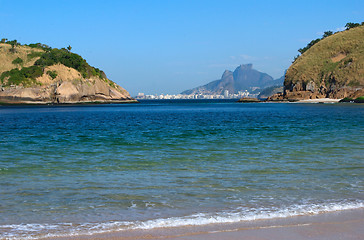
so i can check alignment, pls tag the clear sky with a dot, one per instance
(160, 46)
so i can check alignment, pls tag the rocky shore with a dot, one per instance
(63, 92)
(309, 92)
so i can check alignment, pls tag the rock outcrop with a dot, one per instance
(54, 84)
(269, 91)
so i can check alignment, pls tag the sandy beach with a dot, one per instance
(319, 100)
(348, 224)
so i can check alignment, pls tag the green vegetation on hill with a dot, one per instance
(40, 46)
(26, 75)
(34, 55)
(356, 100)
(72, 60)
(52, 74)
(17, 60)
(15, 43)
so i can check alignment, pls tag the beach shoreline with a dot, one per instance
(346, 224)
(319, 100)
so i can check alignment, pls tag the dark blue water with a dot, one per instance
(82, 169)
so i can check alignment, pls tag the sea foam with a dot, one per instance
(35, 231)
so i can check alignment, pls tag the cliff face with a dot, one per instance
(243, 78)
(332, 68)
(24, 78)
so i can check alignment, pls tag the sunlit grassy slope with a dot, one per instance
(336, 60)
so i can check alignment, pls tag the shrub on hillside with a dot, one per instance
(313, 42)
(350, 25)
(347, 99)
(40, 46)
(25, 76)
(359, 99)
(52, 74)
(34, 55)
(17, 60)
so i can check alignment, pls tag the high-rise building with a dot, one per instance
(226, 93)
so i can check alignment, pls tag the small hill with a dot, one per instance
(243, 78)
(332, 67)
(37, 73)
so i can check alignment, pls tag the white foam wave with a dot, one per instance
(232, 217)
(34, 231)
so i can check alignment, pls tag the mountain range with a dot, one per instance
(243, 78)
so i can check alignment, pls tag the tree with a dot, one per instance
(327, 33)
(13, 44)
(313, 42)
(3, 40)
(69, 48)
(295, 58)
(350, 25)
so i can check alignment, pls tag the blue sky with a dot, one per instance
(160, 46)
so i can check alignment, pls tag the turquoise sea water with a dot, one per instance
(68, 170)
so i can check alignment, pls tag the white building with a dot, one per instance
(226, 93)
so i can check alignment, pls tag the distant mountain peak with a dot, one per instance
(248, 66)
(243, 78)
(226, 73)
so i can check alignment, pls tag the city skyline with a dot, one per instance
(167, 47)
(224, 95)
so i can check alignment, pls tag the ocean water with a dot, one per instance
(70, 170)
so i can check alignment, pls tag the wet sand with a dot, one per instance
(348, 224)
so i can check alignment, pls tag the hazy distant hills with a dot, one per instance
(243, 78)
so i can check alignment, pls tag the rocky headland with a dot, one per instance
(39, 74)
(331, 67)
